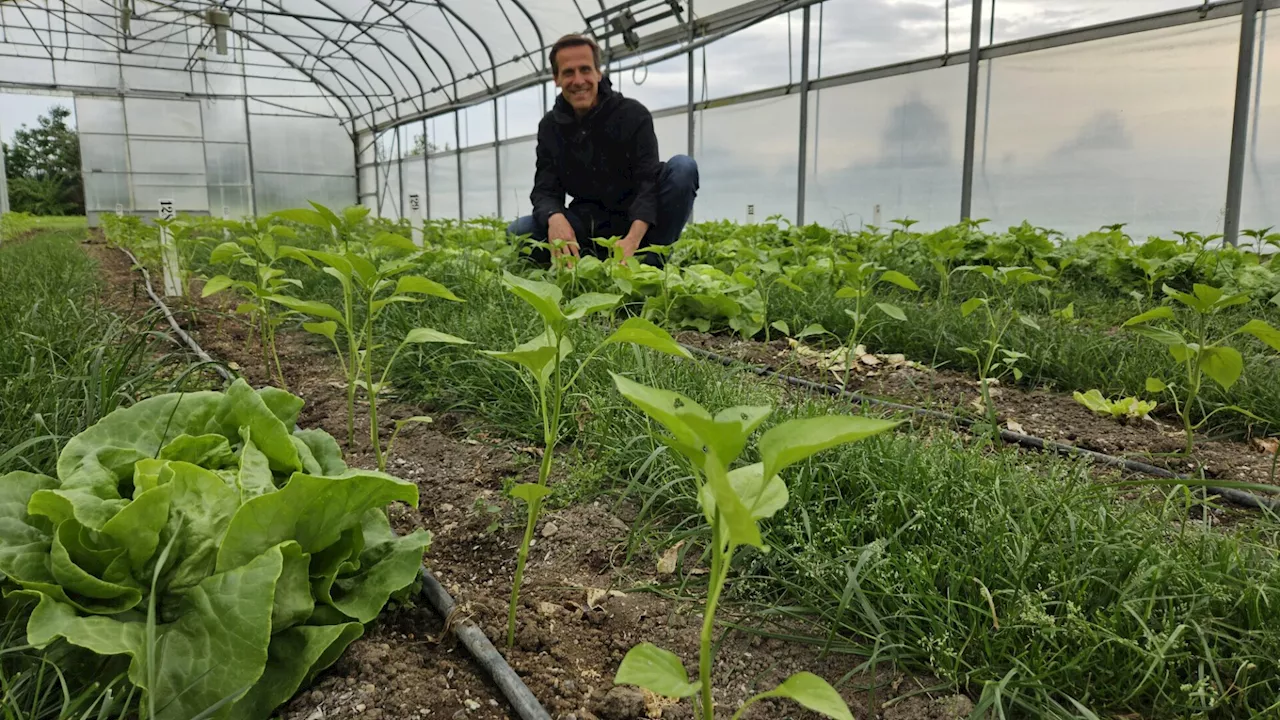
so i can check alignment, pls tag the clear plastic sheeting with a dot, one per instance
(479, 183)
(281, 191)
(519, 161)
(1019, 19)
(892, 147)
(748, 154)
(1261, 203)
(442, 181)
(1133, 129)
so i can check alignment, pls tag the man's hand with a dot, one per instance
(631, 242)
(560, 231)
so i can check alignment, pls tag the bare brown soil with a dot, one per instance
(1048, 415)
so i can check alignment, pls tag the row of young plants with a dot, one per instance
(167, 551)
(1175, 655)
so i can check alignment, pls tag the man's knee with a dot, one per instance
(526, 225)
(683, 171)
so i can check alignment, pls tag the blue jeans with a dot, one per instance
(677, 188)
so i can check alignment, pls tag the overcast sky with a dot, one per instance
(18, 110)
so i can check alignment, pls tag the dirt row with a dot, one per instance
(581, 608)
(1042, 413)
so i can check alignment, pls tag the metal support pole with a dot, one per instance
(497, 157)
(971, 113)
(426, 171)
(803, 172)
(1240, 121)
(377, 176)
(399, 173)
(457, 155)
(690, 105)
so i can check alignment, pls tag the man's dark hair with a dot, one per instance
(569, 41)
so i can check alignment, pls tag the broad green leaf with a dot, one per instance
(304, 216)
(726, 434)
(813, 693)
(427, 335)
(739, 527)
(314, 308)
(538, 355)
(1191, 301)
(335, 262)
(847, 292)
(900, 280)
(1164, 312)
(294, 658)
(781, 326)
(326, 213)
(225, 252)
(254, 476)
(354, 214)
(394, 242)
(656, 670)
(796, 440)
(313, 511)
(1155, 385)
(210, 450)
(761, 499)
(669, 409)
(812, 329)
(216, 284)
(424, 286)
(1207, 294)
(1160, 335)
(530, 492)
(968, 306)
(1264, 332)
(387, 564)
(242, 407)
(201, 506)
(247, 308)
(892, 311)
(1028, 321)
(364, 270)
(24, 539)
(324, 449)
(544, 297)
(1223, 364)
(590, 303)
(1094, 401)
(138, 525)
(1184, 352)
(640, 331)
(327, 328)
(376, 306)
(1232, 301)
(292, 602)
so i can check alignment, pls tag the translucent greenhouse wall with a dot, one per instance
(209, 156)
(1129, 122)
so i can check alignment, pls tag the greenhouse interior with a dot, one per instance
(622, 359)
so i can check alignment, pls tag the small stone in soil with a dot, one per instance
(550, 529)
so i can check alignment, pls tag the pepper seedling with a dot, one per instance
(1121, 409)
(733, 501)
(863, 277)
(1198, 354)
(368, 288)
(543, 357)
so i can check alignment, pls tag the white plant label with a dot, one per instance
(415, 218)
(751, 214)
(119, 210)
(169, 252)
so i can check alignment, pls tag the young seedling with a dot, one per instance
(544, 358)
(341, 228)
(258, 247)
(733, 501)
(1121, 409)
(369, 286)
(993, 358)
(1199, 354)
(862, 278)
(943, 249)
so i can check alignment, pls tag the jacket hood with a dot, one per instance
(563, 112)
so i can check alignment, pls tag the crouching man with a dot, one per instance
(600, 148)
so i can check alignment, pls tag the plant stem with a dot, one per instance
(719, 567)
(522, 556)
(373, 398)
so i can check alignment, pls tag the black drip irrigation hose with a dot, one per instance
(472, 638)
(1031, 442)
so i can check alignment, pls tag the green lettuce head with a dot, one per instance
(258, 553)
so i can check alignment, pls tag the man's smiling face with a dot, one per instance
(578, 77)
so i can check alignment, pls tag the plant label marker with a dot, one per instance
(875, 215)
(415, 217)
(168, 251)
(751, 214)
(119, 210)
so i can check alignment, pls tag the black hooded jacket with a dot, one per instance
(607, 160)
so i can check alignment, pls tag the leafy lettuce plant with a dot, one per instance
(733, 501)
(369, 286)
(543, 358)
(1199, 355)
(1122, 409)
(994, 359)
(226, 557)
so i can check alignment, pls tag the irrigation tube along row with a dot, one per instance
(1238, 497)
(473, 638)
